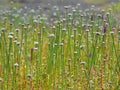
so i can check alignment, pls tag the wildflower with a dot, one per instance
(11, 24)
(55, 44)
(10, 36)
(11, 33)
(72, 76)
(112, 32)
(78, 4)
(64, 29)
(84, 70)
(89, 54)
(3, 29)
(1, 79)
(69, 59)
(64, 19)
(113, 29)
(29, 75)
(102, 17)
(87, 30)
(54, 14)
(35, 48)
(61, 44)
(51, 35)
(97, 33)
(74, 29)
(74, 10)
(107, 13)
(82, 63)
(18, 43)
(39, 34)
(32, 10)
(104, 28)
(16, 65)
(99, 15)
(35, 21)
(103, 42)
(54, 54)
(110, 9)
(36, 43)
(72, 36)
(92, 18)
(17, 30)
(103, 11)
(69, 14)
(66, 7)
(53, 27)
(75, 52)
(81, 46)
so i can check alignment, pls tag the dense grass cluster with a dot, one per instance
(75, 50)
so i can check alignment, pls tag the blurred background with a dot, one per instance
(44, 3)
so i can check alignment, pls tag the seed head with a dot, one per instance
(51, 35)
(36, 43)
(66, 7)
(99, 15)
(17, 30)
(69, 14)
(75, 52)
(55, 14)
(35, 48)
(1, 79)
(35, 21)
(72, 36)
(55, 44)
(87, 30)
(10, 36)
(11, 33)
(61, 44)
(16, 65)
(3, 29)
(82, 63)
(110, 9)
(107, 13)
(64, 29)
(18, 43)
(74, 10)
(29, 75)
(78, 4)
(32, 10)
(81, 46)
(103, 11)
(74, 29)
(97, 33)
(69, 59)
(112, 32)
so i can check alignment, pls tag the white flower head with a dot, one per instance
(10, 36)
(1, 79)
(16, 65)
(51, 35)
(29, 75)
(36, 43)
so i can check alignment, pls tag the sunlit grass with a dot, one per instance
(95, 1)
(76, 50)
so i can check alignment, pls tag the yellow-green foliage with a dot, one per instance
(95, 1)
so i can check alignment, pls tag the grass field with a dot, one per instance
(95, 1)
(76, 50)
